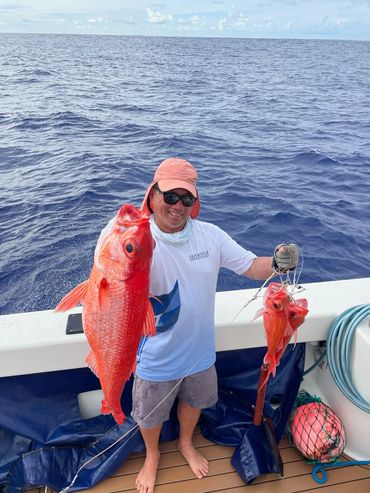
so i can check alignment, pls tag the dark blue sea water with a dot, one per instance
(278, 130)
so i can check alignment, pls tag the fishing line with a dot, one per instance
(297, 273)
(254, 297)
(133, 430)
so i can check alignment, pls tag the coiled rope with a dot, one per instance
(338, 350)
(320, 475)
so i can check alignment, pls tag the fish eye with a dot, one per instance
(130, 247)
(278, 306)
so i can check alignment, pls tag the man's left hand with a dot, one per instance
(285, 258)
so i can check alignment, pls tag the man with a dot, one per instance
(179, 360)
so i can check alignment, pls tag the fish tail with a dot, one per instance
(117, 414)
(119, 417)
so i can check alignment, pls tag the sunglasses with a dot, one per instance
(172, 198)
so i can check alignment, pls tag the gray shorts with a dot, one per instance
(152, 401)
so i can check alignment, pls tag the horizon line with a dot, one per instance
(303, 38)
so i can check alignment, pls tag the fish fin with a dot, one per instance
(155, 298)
(268, 373)
(303, 303)
(259, 313)
(91, 363)
(72, 298)
(103, 293)
(288, 332)
(105, 407)
(149, 324)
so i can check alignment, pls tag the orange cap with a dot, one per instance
(174, 173)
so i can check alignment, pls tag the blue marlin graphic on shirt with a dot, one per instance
(166, 309)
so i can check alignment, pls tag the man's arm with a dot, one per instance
(260, 268)
(285, 258)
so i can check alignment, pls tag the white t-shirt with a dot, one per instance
(184, 277)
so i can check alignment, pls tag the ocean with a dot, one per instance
(277, 129)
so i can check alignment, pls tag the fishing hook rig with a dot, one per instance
(291, 284)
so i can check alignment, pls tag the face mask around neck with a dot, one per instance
(178, 237)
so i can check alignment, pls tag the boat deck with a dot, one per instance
(174, 475)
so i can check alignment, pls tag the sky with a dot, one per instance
(318, 19)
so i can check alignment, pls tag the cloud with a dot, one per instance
(97, 20)
(237, 21)
(194, 22)
(240, 22)
(11, 7)
(341, 22)
(156, 17)
(222, 24)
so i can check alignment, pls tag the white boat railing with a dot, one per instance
(37, 342)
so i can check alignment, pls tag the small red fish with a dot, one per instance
(297, 313)
(281, 319)
(275, 322)
(116, 308)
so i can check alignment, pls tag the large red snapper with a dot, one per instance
(116, 308)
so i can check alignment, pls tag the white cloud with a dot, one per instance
(97, 20)
(196, 20)
(240, 22)
(155, 17)
(222, 23)
(341, 22)
(193, 22)
(237, 21)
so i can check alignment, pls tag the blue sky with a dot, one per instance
(328, 19)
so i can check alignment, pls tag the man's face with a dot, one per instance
(169, 218)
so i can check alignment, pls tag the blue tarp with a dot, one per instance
(44, 441)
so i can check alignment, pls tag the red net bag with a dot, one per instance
(316, 432)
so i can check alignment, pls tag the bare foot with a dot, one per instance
(198, 464)
(145, 480)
